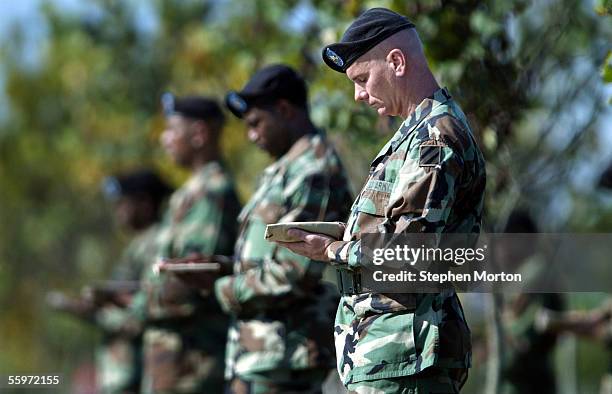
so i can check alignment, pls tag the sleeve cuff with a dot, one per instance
(224, 291)
(345, 253)
(112, 319)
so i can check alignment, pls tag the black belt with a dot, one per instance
(349, 282)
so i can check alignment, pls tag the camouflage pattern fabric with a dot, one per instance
(138, 255)
(118, 359)
(434, 380)
(282, 312)
(118, 366)
(430, 177)
(528, 365)
(186, 332)
(279, 382)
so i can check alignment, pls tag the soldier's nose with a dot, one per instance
(252, 135)
(165, 138)
(360, 94)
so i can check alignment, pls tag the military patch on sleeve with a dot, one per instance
(430, 155)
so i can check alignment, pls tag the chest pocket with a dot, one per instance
(270, 211)
(267, 204)
(374, 197)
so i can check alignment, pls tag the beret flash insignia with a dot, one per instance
(334, 57)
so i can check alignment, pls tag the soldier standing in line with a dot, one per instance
(527, 362)
(185, 330)
(138, 199)
(429, 178)
(280, 338)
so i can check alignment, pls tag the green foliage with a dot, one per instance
(603, 7)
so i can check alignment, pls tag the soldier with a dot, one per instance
(138, 198)
(399, 343)
(527, 363)
(594, 325)
(185, 329)
(280, 338)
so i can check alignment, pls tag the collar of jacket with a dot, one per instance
(297, 149)
(420, 113)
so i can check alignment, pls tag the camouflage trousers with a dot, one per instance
(170, 367)
(118, 366)
(535, 380)
(307, 381)
(430, 381)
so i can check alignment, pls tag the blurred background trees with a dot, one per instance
(82, 82)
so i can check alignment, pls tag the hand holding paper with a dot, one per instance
(197, 271)
(310, 239)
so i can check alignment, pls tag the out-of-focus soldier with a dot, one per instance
(185, 330)
(138, 198)
(281, 335)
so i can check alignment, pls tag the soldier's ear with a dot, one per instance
(200, 133)
(396, 59)
(285, 108)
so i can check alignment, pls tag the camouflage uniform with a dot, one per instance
(118, 360)
(438, 189)
(185, 331)
(528, 365)
(280, 339)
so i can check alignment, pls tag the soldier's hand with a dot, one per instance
(313, 246)
(75, 306)
(56, 300)
(590, 324)
(96, 296)
(198, 280)
(197, 271)
(203, 280)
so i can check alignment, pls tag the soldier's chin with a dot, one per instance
(170, 154)
(180, 160)
(382, 111)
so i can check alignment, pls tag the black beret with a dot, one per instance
(268, 84)
(520, 221)
(140, 182)
(605, 180)
(196, 107)
(369, 29)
